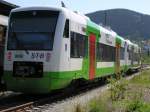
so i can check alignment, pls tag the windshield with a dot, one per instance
(32, 30)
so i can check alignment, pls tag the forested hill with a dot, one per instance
(127, 23)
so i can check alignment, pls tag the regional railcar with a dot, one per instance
(134, 57)
(48, 48)
(3, 27)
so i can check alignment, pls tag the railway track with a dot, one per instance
(23, 103)
(21, 108)
(32, 102)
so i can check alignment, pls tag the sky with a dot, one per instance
(87, 6)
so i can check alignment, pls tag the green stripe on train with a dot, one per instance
(93, 28)
(104, 71)
(50, 80)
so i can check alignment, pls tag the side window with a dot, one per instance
(105, 53)
(128, 50)
(122, 50)
(79, 45)
(129, 54)
(99, 51)
(66, 29)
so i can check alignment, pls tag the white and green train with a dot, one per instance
(48, 48)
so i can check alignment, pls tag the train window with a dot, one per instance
(122, 50)
(66, 29)
(129, 55)
(79, 45)
(128, 49)
(136, 56)
(105, 53)
(98, 52)
(32, 31)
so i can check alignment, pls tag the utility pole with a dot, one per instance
(105, 18)
(148, 52)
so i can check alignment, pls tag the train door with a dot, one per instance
(92, 56)
(132, 56)
(126, 55)
(117, 65)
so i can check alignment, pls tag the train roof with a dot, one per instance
(35, 8)
(132, 44)
(80, 18)
(3, 20)
(136, 46)
(128, 42)
(120, 40)
(102, 29)
(49, 8)
(74, 15)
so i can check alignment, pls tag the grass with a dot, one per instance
(142, 80)
(131, 96)
(145, 59)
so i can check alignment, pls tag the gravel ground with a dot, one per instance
(70, 104)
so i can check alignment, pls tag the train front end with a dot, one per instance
(31, 55)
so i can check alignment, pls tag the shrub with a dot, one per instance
(137, 104)
(117, 88)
